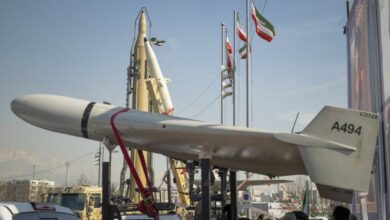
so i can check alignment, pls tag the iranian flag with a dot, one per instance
(228, 46)
(241, 33)
(243, 51)
(264, 28)
(229, 63)
(229, 66)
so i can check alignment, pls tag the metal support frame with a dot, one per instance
(233, 194)
(106, 182)
(248, 190)
(169, 181)
(223, 174)
(191, 176)
(206, 197)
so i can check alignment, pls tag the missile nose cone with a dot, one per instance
(142, 24)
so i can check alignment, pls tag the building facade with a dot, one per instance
(24, 190)
(7, 191)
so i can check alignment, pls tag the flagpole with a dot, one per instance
(247, 67)
(234, 67)
(233, 173)
(247, 82)
(228, 57)
(221, 92)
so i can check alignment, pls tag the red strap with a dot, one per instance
(143, 163)
(146, 195)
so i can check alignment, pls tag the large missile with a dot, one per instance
(140, 99)
(155, 72)
(336, 149)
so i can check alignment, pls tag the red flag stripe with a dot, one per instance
(228, 47)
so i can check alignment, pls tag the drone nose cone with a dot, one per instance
(51, 112)
(30, 107)
(18, 106)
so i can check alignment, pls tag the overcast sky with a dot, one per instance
(81, 49)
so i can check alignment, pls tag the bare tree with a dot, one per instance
(83, 180)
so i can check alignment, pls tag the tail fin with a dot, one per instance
(336, 171)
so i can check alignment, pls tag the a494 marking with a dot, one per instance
(346, 128)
